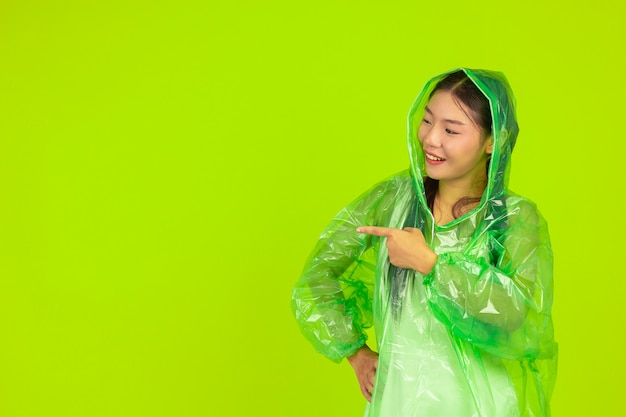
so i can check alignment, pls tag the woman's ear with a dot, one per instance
(489, 148)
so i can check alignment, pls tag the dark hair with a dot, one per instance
(464, 90)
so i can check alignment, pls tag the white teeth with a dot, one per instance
(433, 158)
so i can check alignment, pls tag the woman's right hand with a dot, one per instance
(364, 362)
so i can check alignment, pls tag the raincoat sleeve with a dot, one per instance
(332, 300)
(499, 299)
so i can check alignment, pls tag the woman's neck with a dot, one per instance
(449, 192)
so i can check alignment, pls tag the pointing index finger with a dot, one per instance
(374, 230)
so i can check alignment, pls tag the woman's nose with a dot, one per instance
(431, 138)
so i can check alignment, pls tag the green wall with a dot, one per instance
(165, 168)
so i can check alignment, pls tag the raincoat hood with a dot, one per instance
(495, 87)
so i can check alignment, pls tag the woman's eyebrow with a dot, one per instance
(452, 121)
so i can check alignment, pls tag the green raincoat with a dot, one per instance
(474, 337)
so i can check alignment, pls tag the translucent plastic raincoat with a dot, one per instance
(474, 337)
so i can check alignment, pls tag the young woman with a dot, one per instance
(452, 269)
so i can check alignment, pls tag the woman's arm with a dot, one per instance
(502, 308)
(332, 300)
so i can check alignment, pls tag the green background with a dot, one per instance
(166, 167)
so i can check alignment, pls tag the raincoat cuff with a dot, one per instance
(341, 352)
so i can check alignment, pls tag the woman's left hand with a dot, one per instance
(407, 247)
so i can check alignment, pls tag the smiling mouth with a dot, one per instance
(433, 157)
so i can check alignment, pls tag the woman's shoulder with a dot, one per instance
(384, 194)
(514, 199)
(522, 207)
(401, 180)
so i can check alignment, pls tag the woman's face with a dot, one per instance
(454, 145)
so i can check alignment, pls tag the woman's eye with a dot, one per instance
(451, 132)
(426, 121)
